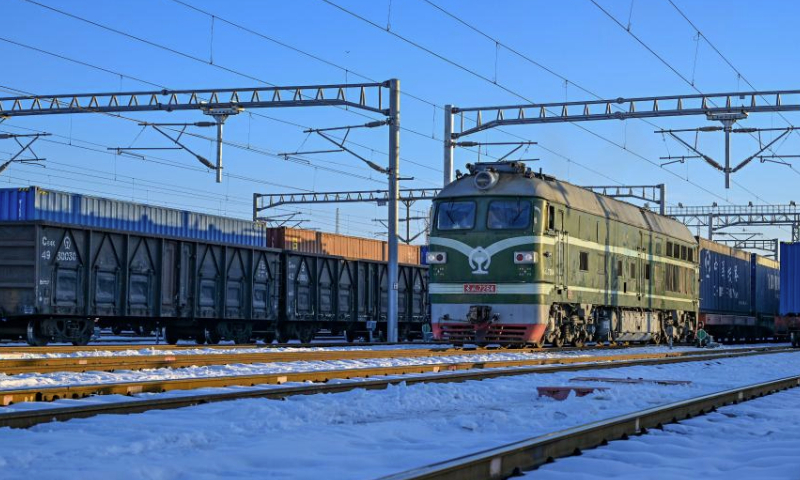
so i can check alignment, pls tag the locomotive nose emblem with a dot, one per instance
(479, 260)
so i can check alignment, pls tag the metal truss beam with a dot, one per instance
(716, 218)
(263, 201)
(365, 96)
(648, 193)
(771, 245)
(628, 108)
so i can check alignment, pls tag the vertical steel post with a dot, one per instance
(220, 120)
(662, 206)
(448, 145)
(394, 167)
(728, 125)
(711, 226)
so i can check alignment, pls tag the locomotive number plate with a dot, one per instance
(480, 288)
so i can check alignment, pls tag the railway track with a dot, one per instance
(513, 459)
(16, 366)
(165, 346)
(455, 372)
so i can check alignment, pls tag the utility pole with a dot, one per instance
(448, 145)
(394, 172)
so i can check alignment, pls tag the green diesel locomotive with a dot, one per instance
(518, 257)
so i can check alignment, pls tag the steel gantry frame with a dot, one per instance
(768, 245)
(223, 102)
(407, 196)
(723, 107)
(716, 218)
(219, 103)
(648, 193)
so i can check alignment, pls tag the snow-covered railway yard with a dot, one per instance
(356, 434)
(754, 439)
(27, 380)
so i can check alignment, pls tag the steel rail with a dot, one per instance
(16, 366)
(515, 458)
(166, 346)
(454, 372)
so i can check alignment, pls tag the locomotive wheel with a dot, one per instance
(116, 329)
(538, 343)
(200, 337)
(558, 341)
(578, 341)
(656, 338)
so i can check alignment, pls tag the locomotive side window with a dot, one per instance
(619, 268)
(647, 271)
(509, 214)
(683, 252)
(691, 255)
(551, 217)
(669, 249)
(584, 261)
(456, 216)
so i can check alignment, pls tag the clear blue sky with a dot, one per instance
(572, 38)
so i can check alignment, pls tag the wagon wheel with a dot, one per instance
(200, 337)
(306, 333)
(212, 336)
(116, 329)
(269, 337)
(170, 335)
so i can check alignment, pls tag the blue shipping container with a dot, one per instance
(766, 285)
(725, 279)
(35, 204)
(790, 279)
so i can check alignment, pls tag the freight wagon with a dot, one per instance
(69, 262)
(787, 324)
(739, 293)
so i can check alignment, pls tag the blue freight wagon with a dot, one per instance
(739, 292)
(34, 204)
(788, 323)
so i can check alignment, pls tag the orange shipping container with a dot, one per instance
(310, 241)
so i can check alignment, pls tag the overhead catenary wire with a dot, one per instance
(512, 92)
(204, 62)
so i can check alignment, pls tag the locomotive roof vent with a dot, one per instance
(499, 167)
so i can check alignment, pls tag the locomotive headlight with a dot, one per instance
(525, 257)
(435, 258)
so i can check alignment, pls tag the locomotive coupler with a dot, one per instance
(481, 314)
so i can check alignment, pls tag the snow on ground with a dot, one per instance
(200, 350)
(31, 380)
(755, 439)
(353, 435)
